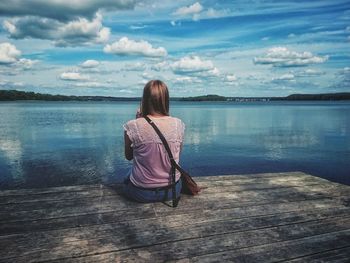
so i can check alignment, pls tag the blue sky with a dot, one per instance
(230, 48)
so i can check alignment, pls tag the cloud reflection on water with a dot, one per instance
(55, 143)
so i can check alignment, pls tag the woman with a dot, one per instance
(150, 176)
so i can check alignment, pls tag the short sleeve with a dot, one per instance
(131, 130)
(181, 129)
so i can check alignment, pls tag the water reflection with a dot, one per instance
(50, 144)
(11, 150)
(62, 143)
(246, 138)
(278, 142)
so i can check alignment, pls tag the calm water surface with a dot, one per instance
(63, 143)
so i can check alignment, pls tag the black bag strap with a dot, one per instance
(165, 143)
(174, 165)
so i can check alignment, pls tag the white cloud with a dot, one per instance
(186, 79)
(83, 31)
(73, 76)
(309, 73)
(231, 78)
(66, 23)
(11, 56)
(134, 66)
(282, 57)
(287, 76)
(130, 47)
(127, 91)
(213, 13)
(160, 66)
(192, 64)
(189, 10)
(10, 27)
(345, 70)
(90, 63)
(215, 72)
(76, 32)
(62, 10)
(287, 79)
(197, 11)
(343, 79)
(137, 27)
(8, 53)
(90, 84)
(175, 23)
(25, 63)
(142, 82)
(11, 84)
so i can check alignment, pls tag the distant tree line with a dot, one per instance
(11, 95)
(21, 95)
(204, 98)
(325, 96)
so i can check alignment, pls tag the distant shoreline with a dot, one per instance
(14, 95)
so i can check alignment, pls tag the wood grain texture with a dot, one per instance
(237, 218)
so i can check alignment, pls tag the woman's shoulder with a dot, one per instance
(130, 122)
(170, 119)
(142, 121)
(136, 121)
(178, 120)
(175, 118)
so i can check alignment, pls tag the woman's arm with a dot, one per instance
(127, 148)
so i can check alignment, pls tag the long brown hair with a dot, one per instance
(155, 98)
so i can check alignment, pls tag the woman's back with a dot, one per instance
(151, 164)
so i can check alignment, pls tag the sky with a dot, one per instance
(230, 48)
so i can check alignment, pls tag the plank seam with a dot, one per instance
(145, 246)
(307, 255)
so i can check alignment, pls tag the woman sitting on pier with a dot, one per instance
(150, 177)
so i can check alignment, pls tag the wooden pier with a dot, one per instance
(275, 217)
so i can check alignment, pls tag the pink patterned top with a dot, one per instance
(151, 165)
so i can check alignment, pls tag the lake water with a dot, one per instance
(65, 143)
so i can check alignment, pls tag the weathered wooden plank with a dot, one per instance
(297, 185)
(216, 190)
(40, 191)
(162, 229)
(246, 176)
(11, 228)
(183, 247)
(251, 214)
(105, 190)
(62, 189)
(108, 204)
(341, 255)
(65, 198)
(281, 251)
(112, 203)
(278, 181)
(204, 213)
(58, 196)
(191, 205)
